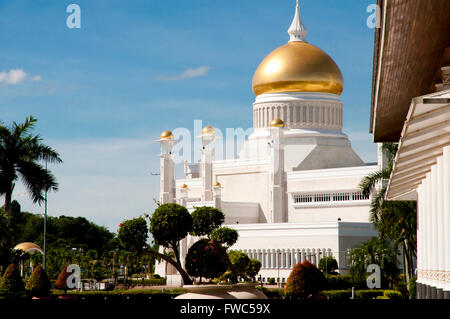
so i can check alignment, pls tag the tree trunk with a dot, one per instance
(186, 279)
(8, 196)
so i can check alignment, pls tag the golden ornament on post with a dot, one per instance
(277, 123)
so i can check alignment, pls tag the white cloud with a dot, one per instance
(17, 76)
(186, 74)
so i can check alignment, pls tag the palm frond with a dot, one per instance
(368, 183)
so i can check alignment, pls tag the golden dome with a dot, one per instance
(184, 186)
(166, 135)
(217, 184)
(298, 67)
(29, 247)
(277, 123)
(208, 130)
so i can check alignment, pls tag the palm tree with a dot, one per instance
(369, 182)
(20, 154)
(394, 220)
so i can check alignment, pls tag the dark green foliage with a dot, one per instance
(328, 265)
(207, 259)
(337, 294)
(146, 282)
(169, 224)
(38, 284)
(241, 266)
(239, 262)
(277, 293)
(375, 251)
(338, 282)
(133, 234)
(253, 268)
(271, 281)
(12, 284)
(305, 281)
(394, 295)
(225, 235)
(366, 294)
(21, 158)
(205, 220)
(412, 288)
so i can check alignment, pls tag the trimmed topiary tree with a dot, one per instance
(39, 284)
(328, 265)
(61, 282)
(253, 268)
(12, 285)
(169, 224)
(225, 235)
(305, 281)
(205, 220)
(207, 259)
(133, 234)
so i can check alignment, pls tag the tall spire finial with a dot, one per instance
(297, 31)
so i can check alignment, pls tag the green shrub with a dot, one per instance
(225, 235)
(337, 294)
(38, 284)
(304, 281)
(133, 234)
(393, 294)
(328, 264)
(207, 259)
(276, 293)
(12, 285)
(271, 281)
(368, 294)
(205, 220)
(147, 282)
(169, 224)
(412, 287)
(338, 282)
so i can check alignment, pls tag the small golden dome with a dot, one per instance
(29, 247)
(298, 67)
(166, 135)
(184, 186)
(277, 123)
(208, 130)
(217, 184)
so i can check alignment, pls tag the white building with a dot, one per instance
(411, 106)
(292, 193)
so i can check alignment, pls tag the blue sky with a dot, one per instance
(104, 92)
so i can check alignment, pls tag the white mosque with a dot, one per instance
(292, 193)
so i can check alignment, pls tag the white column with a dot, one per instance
(427, 230)
(293, 257)
(433, 232)
(274, 259)
(446, 210)
(440, 219)
(420, 217)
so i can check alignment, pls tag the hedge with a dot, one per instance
(338, 282)
(118, 295)
(147, 282)
(362, 294)
(276, 293)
